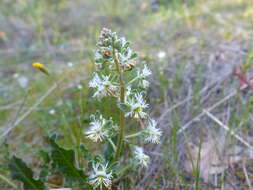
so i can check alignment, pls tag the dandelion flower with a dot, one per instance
(100, 176)
(41, 67)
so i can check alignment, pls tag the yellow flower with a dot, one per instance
(41, 67)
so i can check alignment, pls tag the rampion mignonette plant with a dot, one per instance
(118, 76)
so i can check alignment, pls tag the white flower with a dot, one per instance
(105, 32)
(144, 83)
(100, 176)
(140, 157)
(97, 132)
(103, 86)
(137, 104)
(98, 56)
(15, 75)
(23, 81)
(144, 72)
(152, 134)
(59, 103)
(52, 112)
(161, 54)
(79, 87)
(95, 82)
(128, 92)
(70, 64)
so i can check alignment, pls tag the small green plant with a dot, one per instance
(120, 79)
(117, 77)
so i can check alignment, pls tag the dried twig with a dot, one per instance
(209, 109)
(246, 176)
(233, 93)
(10, 106)
(187, 99)
(227, 129)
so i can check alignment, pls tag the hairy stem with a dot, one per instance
(122, 100)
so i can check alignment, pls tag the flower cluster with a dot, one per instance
(110, 46)
(103, 85)
(118, 75)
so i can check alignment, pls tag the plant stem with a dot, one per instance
(133, 135)
(122, 100)
(8, 181)
(113, 145)
(134, 79)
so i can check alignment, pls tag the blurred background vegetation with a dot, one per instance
(192, 46)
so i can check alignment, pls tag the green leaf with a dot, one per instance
(123, 107)
(20, 171)
(64, 160)
(108, 152)
(134, 55)
(86, 154)
(44, 155)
